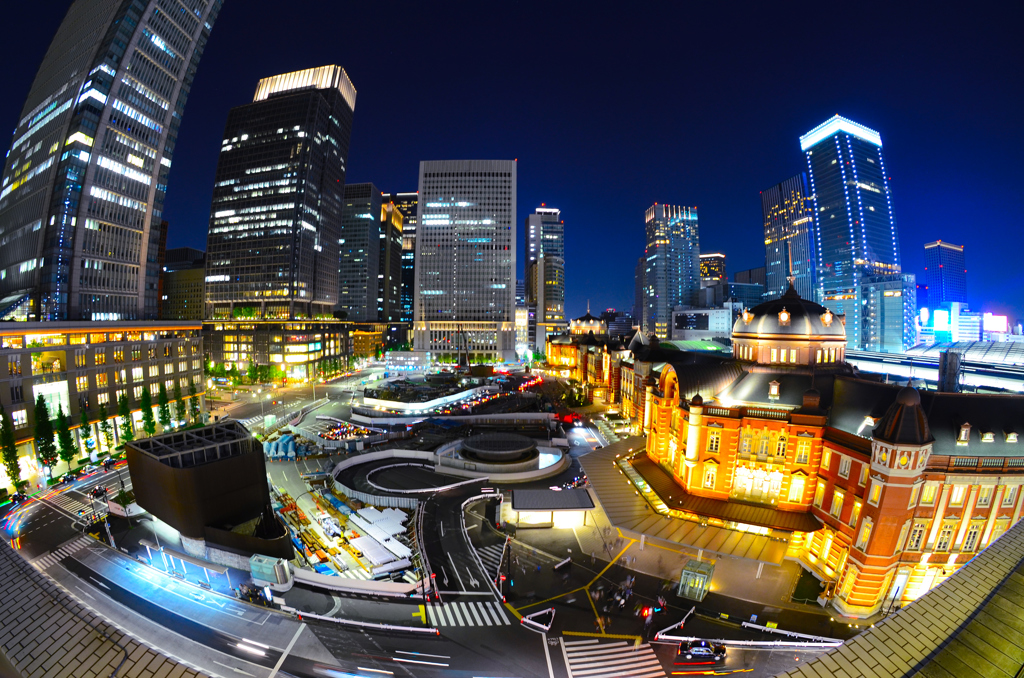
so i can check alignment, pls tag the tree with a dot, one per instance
(85, 428)
(164, 409)
(45, 449)
(124, 411)
(193, 402)
(179, 403)
(9, 449)
(105, 428)
(148, 422)
(252, 372)
(65, 441)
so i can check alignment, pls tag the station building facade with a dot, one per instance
(85, 366)
(881, 491)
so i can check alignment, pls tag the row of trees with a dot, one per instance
(65, 448)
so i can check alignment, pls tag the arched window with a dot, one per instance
(780, 446)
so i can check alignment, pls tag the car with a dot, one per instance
(18, 497)
(691, 651)
(98, 491)
(90, 468)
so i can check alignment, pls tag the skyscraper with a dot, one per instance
(789, 238)
(406, 204)
(854, 228)
(389, 277)
(545, 274)
(890, 305)
(278, 198)
(275, 222)
(84, 181)
(359, 249)
(640, 292)
(945, 272)
(712, 269)
(673, 264)
(466, 258)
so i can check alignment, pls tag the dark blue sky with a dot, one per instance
(611, 107)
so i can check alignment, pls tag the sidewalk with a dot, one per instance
(735, 588)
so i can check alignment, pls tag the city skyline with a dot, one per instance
(923, 152)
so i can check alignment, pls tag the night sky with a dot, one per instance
(612, 107)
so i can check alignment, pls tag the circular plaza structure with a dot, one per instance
(499, 448)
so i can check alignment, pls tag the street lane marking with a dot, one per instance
(287, 650)
(246, 673)
(421, 614)
(547, 655)
(410, 661)
(423, 654)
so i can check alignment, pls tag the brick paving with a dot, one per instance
(46, 633)
(972, 624)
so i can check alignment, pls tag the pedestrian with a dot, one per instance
(593, 558)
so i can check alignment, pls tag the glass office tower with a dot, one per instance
(854, 229)
(406, 204)
(359, 252)
(466, 260)
(83, 188)
(789, 238)
(945, 272)
(545, 274)
(672, 275)
(275, 222)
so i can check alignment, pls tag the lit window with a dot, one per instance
(780, 446)
(20, 418)
(775, 354)
(928, 495)
(714, 441)
(137, 393)
(826, 458)
(819, 494)
(136, 374)
(1010, 497)
(971, 540)
(984, 495)
(855, 513)
(837, 503)
(792, 355)
(956, 497)
(103, 398)
(865, 534)
(916, 537)
(803, 451)
(154, 370)
(709, 477)
(875, 493)
(915, 491)
(944, 538)
(965, 435)
(864, 470)
(82, 384)
(844, 466)
(796, 488)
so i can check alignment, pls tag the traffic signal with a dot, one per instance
(646, 611)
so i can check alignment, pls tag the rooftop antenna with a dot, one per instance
(789, 258)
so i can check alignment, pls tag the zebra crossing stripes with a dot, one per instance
(593, 659)
(491, 558)
(64, 551)
(467, 614)
(65, 501)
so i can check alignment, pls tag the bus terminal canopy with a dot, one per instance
(552, 500)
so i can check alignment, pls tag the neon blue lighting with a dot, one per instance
(839, 124)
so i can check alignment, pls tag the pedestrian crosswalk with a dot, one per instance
(592, 658)
(491, 557)
(251, 420)
(467, 614)
(71, 504)
(360, 573)
(64, 551)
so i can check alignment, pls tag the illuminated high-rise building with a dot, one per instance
(359, 251)
(406, 204)
(278, 197)
(545, 274)
(389, 277)
(945, 272)
(789, 238)
(672, 275)
(466, 259)
(854, 228)
(83, 188)
(712, 269)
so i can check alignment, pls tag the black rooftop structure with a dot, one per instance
(552, 500)
(904, 422)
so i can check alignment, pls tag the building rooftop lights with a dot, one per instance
(839, 124)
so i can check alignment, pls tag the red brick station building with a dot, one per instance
(881, 490)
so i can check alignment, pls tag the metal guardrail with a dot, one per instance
(371, 625)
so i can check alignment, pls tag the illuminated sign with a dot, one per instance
(941, 320)
(995, 323)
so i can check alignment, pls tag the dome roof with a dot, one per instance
(790, 315)
(904, 423)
